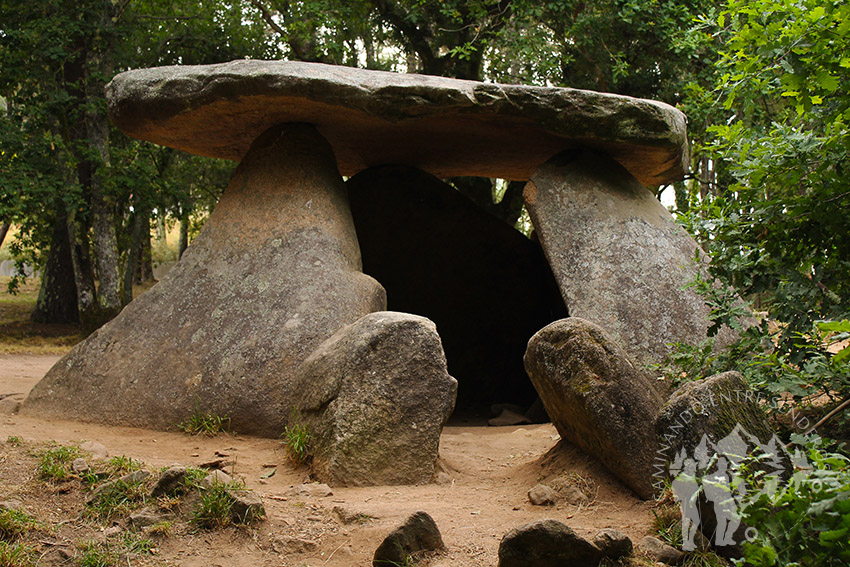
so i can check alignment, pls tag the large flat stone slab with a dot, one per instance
(445, 126)
(274, 272)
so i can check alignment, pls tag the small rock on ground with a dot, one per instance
(613, 544)
(542, 495)
(546, 543)
(170, 482)
(97, 450)
(312, 490)
(418, 533)
(660, 551)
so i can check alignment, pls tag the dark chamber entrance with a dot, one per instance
(486, 286)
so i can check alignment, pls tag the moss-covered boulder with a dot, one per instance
(597, 398)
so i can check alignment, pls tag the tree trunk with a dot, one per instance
(145, 271)
(4, 228)
(57, 297)
(103, 214)
(141, 219)
(83, 277)
(184, 236)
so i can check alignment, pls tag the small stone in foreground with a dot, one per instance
(542, 495)
(312, 490)
(660, 551)
(170, 482)
(418, 533)
(613, 544)
(247, 506)
(546, 543)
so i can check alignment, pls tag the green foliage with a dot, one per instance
(15, 524)
(667, 525)
(297, 439)
(17, 555)
(776, 220)
(121, 465)
(94, 554)
(14, 440)
(205, 423)
(54, 465)
(117, 498)
(804, 521)
(193, 477)
(215, 506)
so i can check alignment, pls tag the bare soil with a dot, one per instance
(482, 495)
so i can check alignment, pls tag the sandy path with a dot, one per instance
(489, 473)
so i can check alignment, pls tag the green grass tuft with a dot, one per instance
(203, 423)
(15, 524)
(54, 465)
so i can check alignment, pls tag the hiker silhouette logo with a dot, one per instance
(713, 486)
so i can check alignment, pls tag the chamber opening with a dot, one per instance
(487, 286)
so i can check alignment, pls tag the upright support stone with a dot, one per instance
(275, 272)
(619, 258)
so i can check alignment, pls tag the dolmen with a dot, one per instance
(269, 317)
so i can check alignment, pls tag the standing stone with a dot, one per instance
(620, 259)
(374, 398)
(597, 398)
(274, 272)
(546, 543)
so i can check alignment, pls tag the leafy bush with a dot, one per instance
(803, 522)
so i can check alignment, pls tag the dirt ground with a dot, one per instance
(484, 494)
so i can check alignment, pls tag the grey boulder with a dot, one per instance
(418, 533)
(597, 398)
(375, 397)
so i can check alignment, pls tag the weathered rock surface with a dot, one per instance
(620, 259)
(312, 490)
(597, 398)
(613, 544)
(172, 481)
(542, 495)
(661, 552)
(546, 543)
(485, 285)
(418, 533)
(371, 117)
(374, 398)
(714, 407)
(274, 272)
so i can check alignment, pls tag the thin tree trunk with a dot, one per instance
(4, 229)
(184, 236)
(145, 271)
(57, 297)
(141, 219)
(103, 216)
(83, 277)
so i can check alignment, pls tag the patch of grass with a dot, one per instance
(193, 477)
(214, 509)
(703, 558)
(296, 439)
(14, 441)
(94, 554)
(17, 555)
(667, 524)
(162, 529)
(204, 423)
(19, 335)
(54, 465)
(121, 465)
(117, 499)
(132, 543)
(15, 524)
